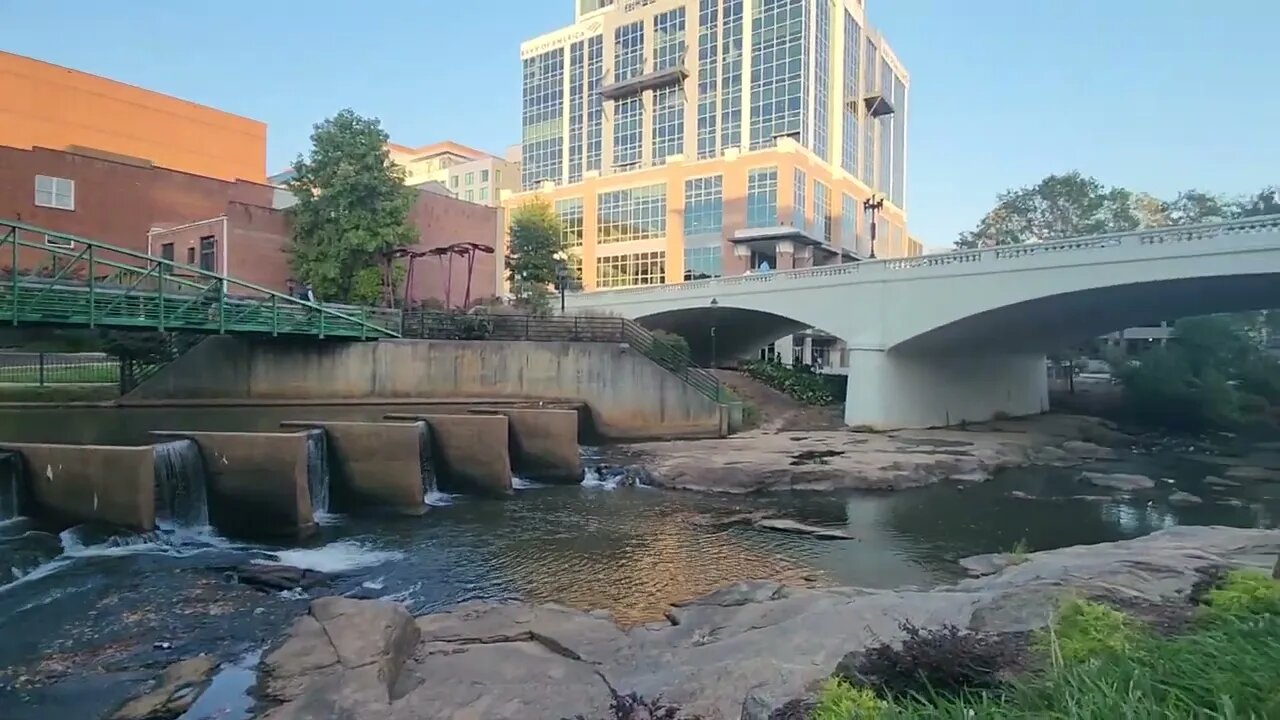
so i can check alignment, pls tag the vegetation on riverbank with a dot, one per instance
(798, 381)
(1098, 664)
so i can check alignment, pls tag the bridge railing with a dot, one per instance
(435, 325)
(65, 279)
(877, 269)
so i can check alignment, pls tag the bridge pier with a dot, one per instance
(893, 390)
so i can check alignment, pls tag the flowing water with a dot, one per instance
(10, 477)
(181, 499)
(318, 470)
(85, 596)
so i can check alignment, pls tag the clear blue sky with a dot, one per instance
(1155, 95)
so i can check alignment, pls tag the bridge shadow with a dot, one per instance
(737, 332)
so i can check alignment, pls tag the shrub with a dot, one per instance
(944, 661)
(1083, 629)
(839, 700)
(672, 348)
(634, 707)
(800, 382)
(1245, 592)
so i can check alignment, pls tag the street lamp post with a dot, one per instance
(562, 277)
(714, 303)
(873, 205)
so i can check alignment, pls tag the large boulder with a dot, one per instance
(741, 650)
(175, 690)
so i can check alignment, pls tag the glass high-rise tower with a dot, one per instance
(681, 139)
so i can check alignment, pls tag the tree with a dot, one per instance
(1265, 202)
(353, 207)
(536, 239)
(1058, 207)
(1194, 206)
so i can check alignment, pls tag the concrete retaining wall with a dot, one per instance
(91, 483)
(257, 482)
(629, 395)
(543, 443)
(376, 464)
(470, 452)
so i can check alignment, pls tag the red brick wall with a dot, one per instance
(442, 221)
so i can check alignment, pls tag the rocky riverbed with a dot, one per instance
(824, 460)
(737, 653)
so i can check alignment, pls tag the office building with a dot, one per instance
(466, 173)
(683, 139)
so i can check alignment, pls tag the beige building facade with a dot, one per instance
(681, 139)
(466, 173)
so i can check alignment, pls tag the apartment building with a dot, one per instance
(683, 139)
(466, 173)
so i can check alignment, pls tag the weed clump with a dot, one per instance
(839, 700)
(633, 707)
(944, 661)
(1084, 629)
(1245, 592)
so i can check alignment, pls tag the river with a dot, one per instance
(84, 611)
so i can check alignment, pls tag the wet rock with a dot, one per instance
(306, 655)
(1220, 482)
(1019, 495)
(175, 691)
(1185, 498)
(743, 647)
(791, 526)
(1088, 450)
(279, 577)
(1119, 481)
(989, 564)
(1254, 473)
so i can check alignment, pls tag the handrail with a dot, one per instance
(166, 273)
(1145, 236)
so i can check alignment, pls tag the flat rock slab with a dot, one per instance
(1185, 498)
(177, 688)
(758, 641)
(799, 528)
(1119, 481)
(1247, 472)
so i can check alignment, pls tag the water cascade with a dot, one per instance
(318, 470)
(10, 486)
(431, 494)
(181, 498)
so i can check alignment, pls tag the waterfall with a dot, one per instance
(180, 485)
(10, 481)
(431, 494)
(318, 470)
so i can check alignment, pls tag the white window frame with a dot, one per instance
(51, 192)
(58, 242)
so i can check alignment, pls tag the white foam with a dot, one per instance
(335, 557)
(293, 594)
(435, 498)
(378, 584)
(328, 518)
(519, 483)
(404, 596)
(591, 479)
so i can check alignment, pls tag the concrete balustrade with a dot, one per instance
(376, 464)
(257, 482)
(470, 452)
(90, 483)
(543, 443)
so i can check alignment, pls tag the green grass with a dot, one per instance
(1102, 665)
(58, 393)
(83, 374)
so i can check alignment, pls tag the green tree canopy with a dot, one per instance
(353, 207)
(1058, 207)
(536, 239)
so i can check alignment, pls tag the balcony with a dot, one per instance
(651, 80)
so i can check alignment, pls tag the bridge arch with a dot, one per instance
(739, 331)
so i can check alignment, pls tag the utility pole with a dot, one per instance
(873, 205)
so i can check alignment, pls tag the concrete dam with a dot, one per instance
(277, 483)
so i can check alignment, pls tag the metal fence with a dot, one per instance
(41, 369)
(562, 328)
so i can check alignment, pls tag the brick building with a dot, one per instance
(236, 228)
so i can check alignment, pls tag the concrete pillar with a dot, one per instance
(90, 483)
(807, 352)
(543, 443)
(785, 352)
(378, 465)
(890, 391)
(257, 482)
(470, 452)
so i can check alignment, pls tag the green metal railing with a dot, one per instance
(71, 280)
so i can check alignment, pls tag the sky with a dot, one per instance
(1153, 95)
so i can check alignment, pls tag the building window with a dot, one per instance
(849, 223)
(628, 51)
(703, 263)
(822, 81)
(884, 141)
(191, 256)
(778, 59)
(869, 61)
(207, 254)
(58, 241)
(703, 205)
(708, 76)
(497, 178)
(595, 103)
(852, 98)
(542, 119)
(570, 212)
(645, 268)
(822, 211)
(484, 193)
(453, 182)
(577, 74)
(470, 196)
(668, 123)
(668, 41)
(731, 76)
(575, 265)
(762, 197)
(898, 189)
(484, 176)
(55, 192)
(471, 179)
(166, 251)
(632, 214)
(628, 131)
(798, 205)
